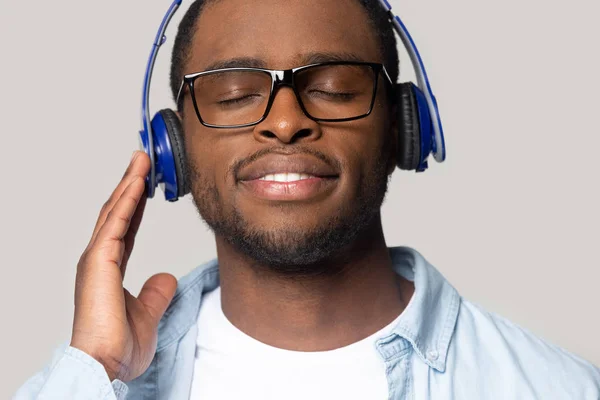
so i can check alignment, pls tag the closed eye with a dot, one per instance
(246, 99)
(324, 94)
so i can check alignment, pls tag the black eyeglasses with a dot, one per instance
(328, 92)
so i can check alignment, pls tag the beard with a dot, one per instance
(291, 251)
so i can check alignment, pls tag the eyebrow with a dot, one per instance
(304, 59)
(318, 57)
(239, 62)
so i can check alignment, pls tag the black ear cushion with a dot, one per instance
(409, 132)
(175, 132)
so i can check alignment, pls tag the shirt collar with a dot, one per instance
(427, 322)
(183, 310)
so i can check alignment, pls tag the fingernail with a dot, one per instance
(134, 156)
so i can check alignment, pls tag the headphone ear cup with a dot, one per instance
(175, 132)
(409, 130)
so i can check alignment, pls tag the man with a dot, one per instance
(306, 300)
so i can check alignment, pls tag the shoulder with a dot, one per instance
(508, 353)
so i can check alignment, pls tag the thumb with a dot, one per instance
(157, 293)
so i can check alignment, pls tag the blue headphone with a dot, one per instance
(420, 130)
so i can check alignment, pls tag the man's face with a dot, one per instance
(288, 226)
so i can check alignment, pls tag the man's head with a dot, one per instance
(310, 222)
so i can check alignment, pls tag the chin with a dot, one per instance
(292, 219)
(300, 244)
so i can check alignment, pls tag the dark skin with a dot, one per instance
(339, 298)
(305, 313)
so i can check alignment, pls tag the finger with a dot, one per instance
(139, 166)
(136, 220)
(109, 241)
(157, 293)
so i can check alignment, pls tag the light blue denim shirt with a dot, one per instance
(443, 347)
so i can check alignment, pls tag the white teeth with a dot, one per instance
(280, 177)
(286, 177)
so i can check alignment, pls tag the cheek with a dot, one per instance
(201, 154)
(363, 143)
(210, 154)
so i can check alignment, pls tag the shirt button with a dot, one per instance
(432, 355)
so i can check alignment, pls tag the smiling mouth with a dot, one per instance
(290, 186)
(289, 177)
(286, 177)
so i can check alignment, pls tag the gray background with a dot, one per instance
(511, 219)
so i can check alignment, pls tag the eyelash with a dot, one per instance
(236, 100)
(340, 95)
(344, 96)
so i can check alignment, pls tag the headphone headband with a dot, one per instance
(146, 121)
(439, 145)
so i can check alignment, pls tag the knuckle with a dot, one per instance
(89, 256)
(116, 216)
(124, 219)
(133, 201)
(110, 252)
(110, 214)
(106, 205)
(84, 256)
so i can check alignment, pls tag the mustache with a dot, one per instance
(287, 150)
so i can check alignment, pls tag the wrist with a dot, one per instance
(109, 368)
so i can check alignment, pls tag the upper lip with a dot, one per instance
(277, 163)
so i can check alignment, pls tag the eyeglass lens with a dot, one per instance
(327, 92)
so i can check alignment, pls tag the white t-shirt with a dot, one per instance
(232, 365)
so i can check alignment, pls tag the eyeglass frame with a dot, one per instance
(279, 78)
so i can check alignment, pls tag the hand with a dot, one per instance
(110, 324)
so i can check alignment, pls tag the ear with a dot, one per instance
(178, 115)
(180, 118)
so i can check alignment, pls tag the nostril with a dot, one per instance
(298, 135)
(302, 133)
(268, 134)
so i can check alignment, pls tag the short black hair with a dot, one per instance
(378, 17)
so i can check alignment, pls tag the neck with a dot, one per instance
(315, 313)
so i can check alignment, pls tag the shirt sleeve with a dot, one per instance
(72, 374)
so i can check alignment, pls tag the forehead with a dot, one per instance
(281, 34)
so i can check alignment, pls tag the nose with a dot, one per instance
(286, 122)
